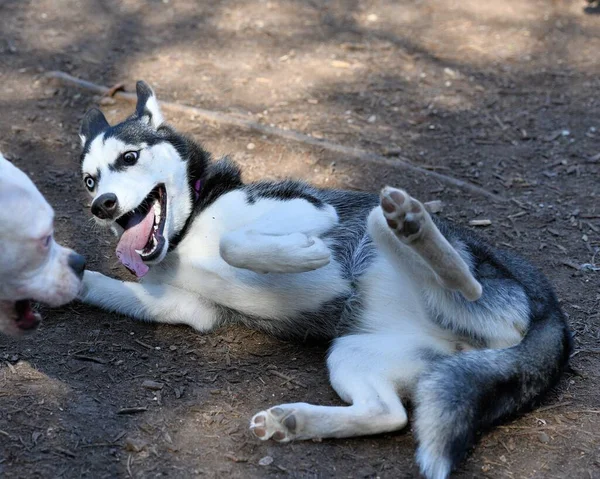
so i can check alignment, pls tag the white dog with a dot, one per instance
(32, 265)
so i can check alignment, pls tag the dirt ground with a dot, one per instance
(502, 94)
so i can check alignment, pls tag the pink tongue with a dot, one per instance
(136, 235)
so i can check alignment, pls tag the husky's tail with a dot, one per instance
(474, 390)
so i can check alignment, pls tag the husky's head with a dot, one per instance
(137, 173)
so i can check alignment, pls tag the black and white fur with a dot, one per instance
(415, 308)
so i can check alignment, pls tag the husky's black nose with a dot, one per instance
(105, 206)
(77, 264)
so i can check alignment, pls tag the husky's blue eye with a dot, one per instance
(130, 157)
(90, 183)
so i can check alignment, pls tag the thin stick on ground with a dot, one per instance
(244, 123)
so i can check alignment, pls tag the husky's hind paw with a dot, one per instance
(276, 423)
(405, 216)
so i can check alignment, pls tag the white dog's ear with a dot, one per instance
(147, 108)
(92, 125)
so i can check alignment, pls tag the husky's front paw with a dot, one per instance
(277, 423)
(263, 253)
(300, 253)
(88, 284)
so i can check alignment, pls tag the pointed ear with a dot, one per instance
(147, 108)
(92, 125)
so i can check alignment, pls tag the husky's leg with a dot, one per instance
(147, 301)
(286, 240)
(366, 370)
(261, 253)
(415, 232)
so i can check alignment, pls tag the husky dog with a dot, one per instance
(415, 308)
(32, 265)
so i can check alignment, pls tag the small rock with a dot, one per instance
(451, 73)
(543, 438)
(372, 119)
(107, 100)
(265, 461)
(552, 136)
(435, 206)
(134, 445)
(480, 223)
(152, 385)
(251, 146)
(372, 17)
(340, 64)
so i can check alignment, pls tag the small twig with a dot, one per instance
(11, 367)
(66, 452)
(227, 119)
(553, 406)
(98, 444)
(92, 359)
(132, 410)
(287, 378)
(129, 460)
(589, 351)
(147, 346)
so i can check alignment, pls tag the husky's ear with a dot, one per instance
(92, 125)
(147, 108)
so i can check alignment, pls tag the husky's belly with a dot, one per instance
(269, 295)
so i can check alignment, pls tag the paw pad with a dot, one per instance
(276, 423)
(403, 214)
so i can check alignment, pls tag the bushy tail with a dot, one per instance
(472, 391)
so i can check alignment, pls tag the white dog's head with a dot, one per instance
(32, 265)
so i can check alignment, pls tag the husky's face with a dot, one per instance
(138, 181)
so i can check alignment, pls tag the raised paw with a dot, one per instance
(277, 423)
(304, 253)
(405, 216)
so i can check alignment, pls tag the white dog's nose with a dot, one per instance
(77, 264)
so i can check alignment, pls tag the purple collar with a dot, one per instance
(197, 188)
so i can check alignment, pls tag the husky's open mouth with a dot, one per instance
(143, 236)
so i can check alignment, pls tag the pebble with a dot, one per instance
(152, 385)
(251, 146)
(265, 461)
(543, 438)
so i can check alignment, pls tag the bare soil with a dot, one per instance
(501, 94)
